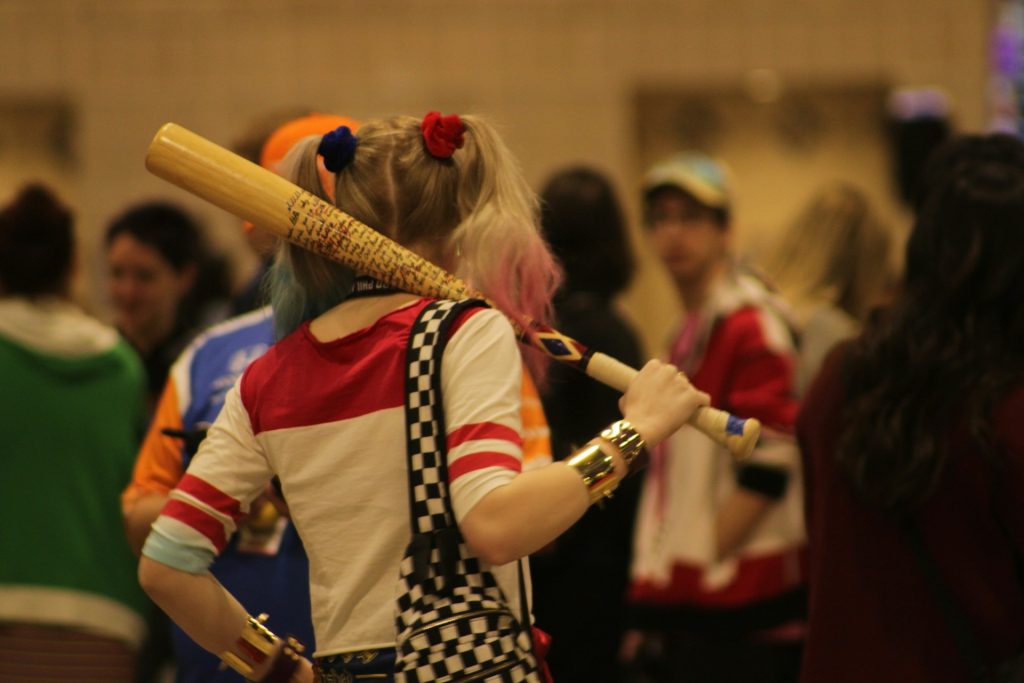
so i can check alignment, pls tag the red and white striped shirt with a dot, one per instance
(328, 419)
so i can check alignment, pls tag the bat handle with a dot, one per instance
(736, 434)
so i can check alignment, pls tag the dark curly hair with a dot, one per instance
(37, 242)
(952, 343)
(178, 237)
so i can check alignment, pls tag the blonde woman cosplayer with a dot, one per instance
(325, 409)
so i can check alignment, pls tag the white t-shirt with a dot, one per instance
(328, 420)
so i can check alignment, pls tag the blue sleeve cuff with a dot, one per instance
(166, 550)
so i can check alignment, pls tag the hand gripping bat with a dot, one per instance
(253, 193)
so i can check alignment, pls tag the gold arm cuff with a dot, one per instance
(597, 469)
(623, 436)
(254, 645)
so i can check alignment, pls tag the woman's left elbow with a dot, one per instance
(488, 539)
(499, 553)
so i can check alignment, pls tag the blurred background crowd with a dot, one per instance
(798, 130)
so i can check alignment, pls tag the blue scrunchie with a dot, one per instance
(338, 148)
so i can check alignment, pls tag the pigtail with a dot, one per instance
(444, 185)
(502, 251)
(304, 285)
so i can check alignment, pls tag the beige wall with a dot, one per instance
(559, 75)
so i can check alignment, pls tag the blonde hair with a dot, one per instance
(474, 209)
(837, 252)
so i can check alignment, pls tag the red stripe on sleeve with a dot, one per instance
(208, 526)
(478, 461)
(483, 430)
(211, 495)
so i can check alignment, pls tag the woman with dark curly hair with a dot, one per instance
(913, 458)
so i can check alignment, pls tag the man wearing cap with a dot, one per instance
(717, 581)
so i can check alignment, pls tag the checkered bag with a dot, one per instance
(453, 621)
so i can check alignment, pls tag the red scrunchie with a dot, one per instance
(442, 134)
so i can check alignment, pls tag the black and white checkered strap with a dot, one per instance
(452, 618)
(429, 503)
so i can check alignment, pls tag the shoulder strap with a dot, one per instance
(429, 502)
(957, 622)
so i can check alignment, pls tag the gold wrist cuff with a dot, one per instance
(254, 645)
(623, 436)
(597, 469)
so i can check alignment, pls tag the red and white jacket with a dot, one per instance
(739, 348)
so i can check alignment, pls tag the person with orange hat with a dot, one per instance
(269, 153)
(265, 563)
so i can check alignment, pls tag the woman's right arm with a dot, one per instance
(212, 617)
(201, 514)
(536, 507)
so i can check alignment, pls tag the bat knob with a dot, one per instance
(737, 434)
(742, 441)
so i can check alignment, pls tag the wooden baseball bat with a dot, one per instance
(273, 203)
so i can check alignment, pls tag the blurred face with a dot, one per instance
(686, 235)
(144, 289)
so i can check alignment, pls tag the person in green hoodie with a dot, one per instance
(71, 416)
